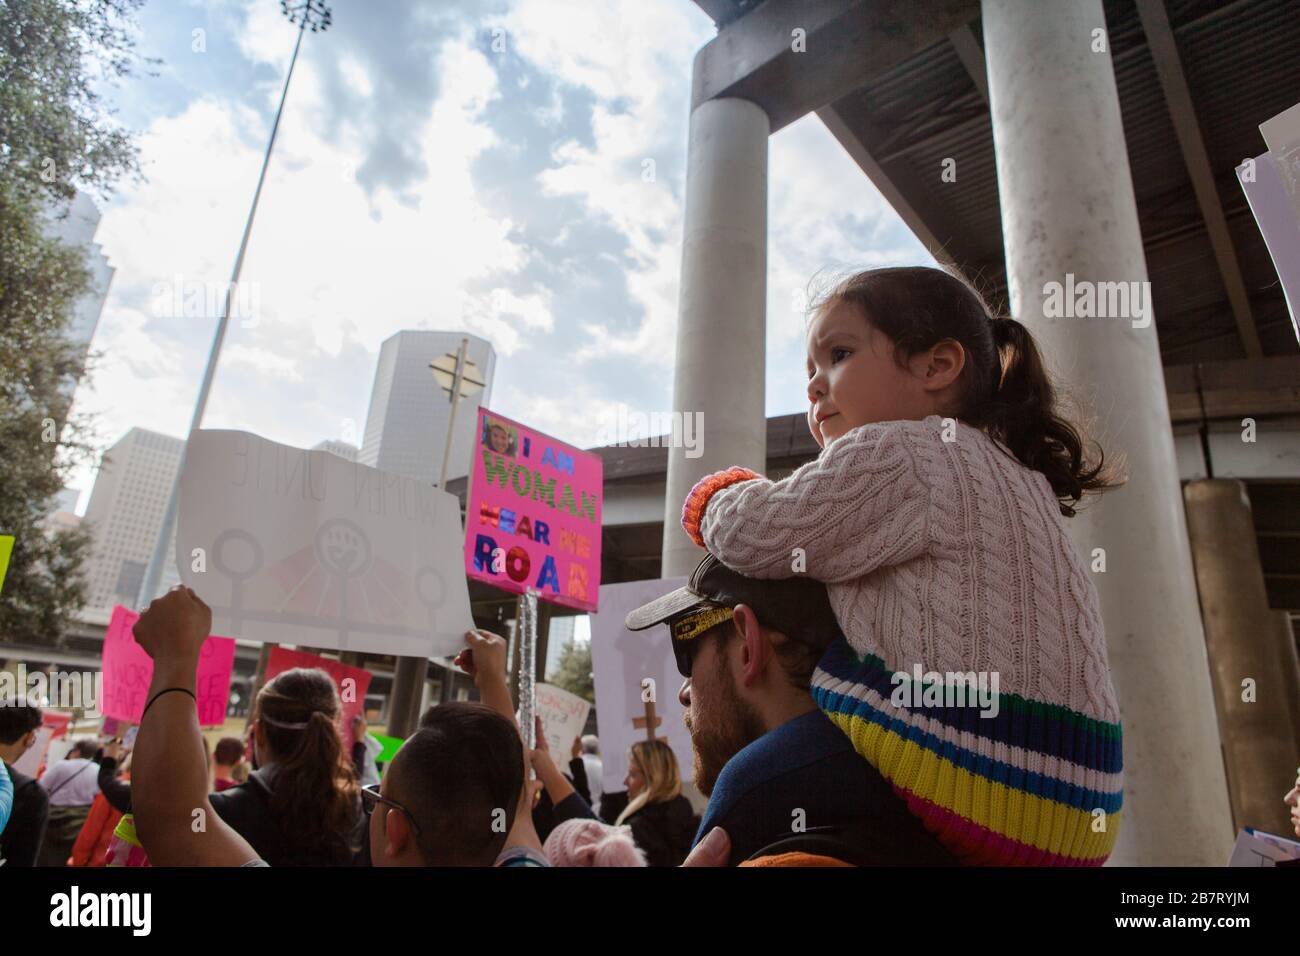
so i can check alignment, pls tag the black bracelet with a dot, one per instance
(168, 690)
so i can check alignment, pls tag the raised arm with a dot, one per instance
(859, 506)
(484, 659)
(169, 776)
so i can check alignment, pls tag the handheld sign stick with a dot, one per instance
(649, 721)
(527, 666)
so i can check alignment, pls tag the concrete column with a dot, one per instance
(722, 316)
(1246, 642)
(1068, 208)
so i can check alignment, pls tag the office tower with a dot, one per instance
(125, 512)
(336, 447)
(406, 427)
(77, 229)
(66, 500)
(560, 635)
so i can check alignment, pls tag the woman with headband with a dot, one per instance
(301, 806)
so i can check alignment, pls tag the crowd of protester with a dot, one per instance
(458, 792)
(928, 534)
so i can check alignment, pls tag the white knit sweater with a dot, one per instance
(948, 554)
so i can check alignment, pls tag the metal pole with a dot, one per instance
(410, 673)
(528, 667)
(149, 586)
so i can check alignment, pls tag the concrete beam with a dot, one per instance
(1178, 97)
(971, 55)
(845, 44)
(1234, 389)
(913, 202)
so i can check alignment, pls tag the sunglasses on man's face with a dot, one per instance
(371, 797)
(686, 632)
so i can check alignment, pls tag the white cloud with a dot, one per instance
(333, 267)
(641, 85)
(339, 269)
(283, 367)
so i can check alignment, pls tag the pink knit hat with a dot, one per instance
(585, 842)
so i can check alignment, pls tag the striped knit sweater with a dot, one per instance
(941, 558)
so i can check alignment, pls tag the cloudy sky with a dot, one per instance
(471, 165)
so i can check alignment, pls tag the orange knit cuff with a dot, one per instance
(706, 488)
(796, 858)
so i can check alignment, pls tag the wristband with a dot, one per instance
(698, 499)
(167, 690)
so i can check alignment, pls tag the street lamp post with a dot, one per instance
(311, 15)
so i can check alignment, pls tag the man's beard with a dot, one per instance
(719, 732)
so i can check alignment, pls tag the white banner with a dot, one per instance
(290, 546)
(1279, 224)
(621, 660)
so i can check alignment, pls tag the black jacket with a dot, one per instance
(545, 816)
(664, 830)
(247, 809)
(116, 792)
(22, 837)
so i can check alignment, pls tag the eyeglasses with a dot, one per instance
(685, 630)
(371, 797)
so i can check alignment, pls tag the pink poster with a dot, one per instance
(128, 671)
(533, 519)
(353, 695)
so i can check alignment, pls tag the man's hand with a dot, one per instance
(174, 626)
(713, 850)
(484, 656)
(113, 750)
(576, 750)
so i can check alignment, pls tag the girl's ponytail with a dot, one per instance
(1022, 415)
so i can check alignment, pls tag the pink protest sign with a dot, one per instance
(128, 671)
(353, 695)
(533, 519)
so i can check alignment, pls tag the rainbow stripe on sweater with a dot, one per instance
(1021, 788)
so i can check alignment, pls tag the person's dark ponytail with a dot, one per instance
(314, 798)
(1006, 389)
(1022, 415)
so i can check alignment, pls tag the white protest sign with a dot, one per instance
(1279, 224)
(290, 546)
(621, 661)
(563, 717)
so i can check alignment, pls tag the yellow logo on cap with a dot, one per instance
(695, 624)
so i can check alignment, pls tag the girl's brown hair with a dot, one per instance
(1006, 390)
(314, 798)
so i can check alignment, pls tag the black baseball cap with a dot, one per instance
(797, 607)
